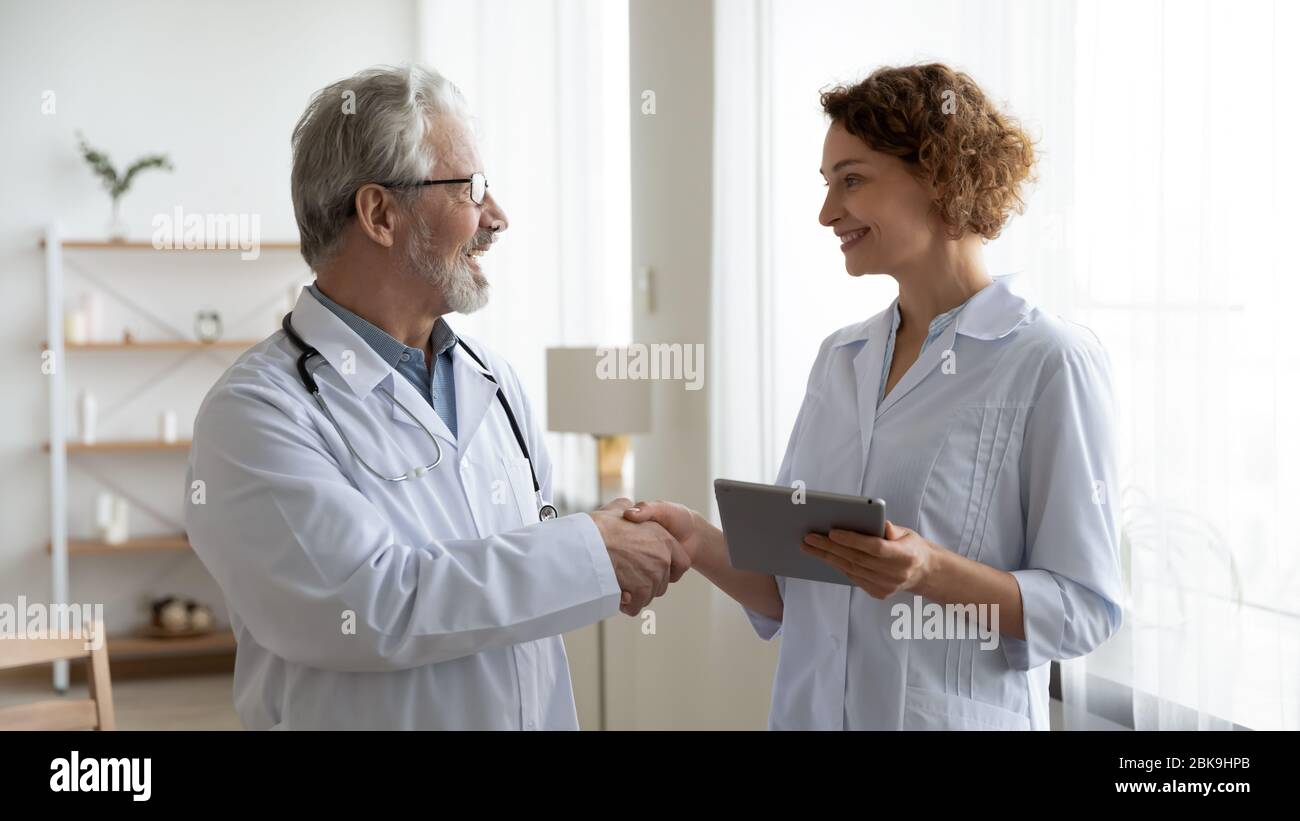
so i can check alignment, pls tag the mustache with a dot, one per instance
(482, 240)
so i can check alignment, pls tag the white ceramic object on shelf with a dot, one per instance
(74, 326)
(174, 616)
(89, 410)
(118, 528)
(200, 618)
(92, 308)
(103, 515)
(167, 426)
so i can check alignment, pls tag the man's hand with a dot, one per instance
(680, 521)
(705, 547)
(645, 556)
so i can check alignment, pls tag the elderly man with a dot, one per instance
(371, 490)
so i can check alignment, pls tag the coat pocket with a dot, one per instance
(520, 475)
(931, 710)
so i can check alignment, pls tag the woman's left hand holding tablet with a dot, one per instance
(901, 560)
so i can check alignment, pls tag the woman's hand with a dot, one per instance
(682, 523)
(902, 560)
(706, 549)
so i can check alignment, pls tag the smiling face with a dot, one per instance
(882, 215)
(449, 233)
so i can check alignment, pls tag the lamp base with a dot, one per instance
(611, 451)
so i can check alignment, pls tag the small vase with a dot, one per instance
(117, 226)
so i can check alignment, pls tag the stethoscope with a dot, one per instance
(545, 513)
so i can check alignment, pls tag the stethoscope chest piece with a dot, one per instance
(548, 512)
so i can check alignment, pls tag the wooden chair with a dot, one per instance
(94, 713)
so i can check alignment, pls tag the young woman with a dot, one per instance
(984, 423)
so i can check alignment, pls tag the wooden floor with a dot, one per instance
(189, 702)
(203, 701)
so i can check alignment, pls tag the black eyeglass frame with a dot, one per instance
(352, 206)
(470, 179)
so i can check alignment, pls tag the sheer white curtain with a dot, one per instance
(1158, 222)
(1185, 201)
(547, 82)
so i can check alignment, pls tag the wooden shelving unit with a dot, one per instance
(142, 544)
(122, 647)
(124, 445)
(158, 345)
(60, 548)
(141, 245)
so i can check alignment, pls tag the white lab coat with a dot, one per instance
(1008, 460)
(457, 593)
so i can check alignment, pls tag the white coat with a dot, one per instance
(434, 603)
(1006, 455)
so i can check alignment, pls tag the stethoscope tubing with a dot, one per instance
(545, 513)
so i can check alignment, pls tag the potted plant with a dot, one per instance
(118, 184)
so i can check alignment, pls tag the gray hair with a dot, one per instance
(370, 127)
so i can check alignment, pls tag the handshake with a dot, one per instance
(650, 545)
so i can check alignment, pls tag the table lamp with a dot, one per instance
(579, 400)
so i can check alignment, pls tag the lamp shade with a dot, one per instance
(580, 400)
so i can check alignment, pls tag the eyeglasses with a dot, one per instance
(477, 185)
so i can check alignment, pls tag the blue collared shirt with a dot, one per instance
(440, 391)
(937, 327)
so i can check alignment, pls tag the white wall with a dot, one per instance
(703, 667)
(218, 87)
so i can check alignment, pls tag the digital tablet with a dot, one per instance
(765, 526)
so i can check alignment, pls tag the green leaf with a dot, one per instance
(144, 163)
(117, 185)
(99, 163)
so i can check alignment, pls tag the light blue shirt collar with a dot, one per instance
(388, 347)
(937, 326)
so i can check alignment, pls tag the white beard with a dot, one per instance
(464, 289)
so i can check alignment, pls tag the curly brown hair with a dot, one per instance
(939, 121)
